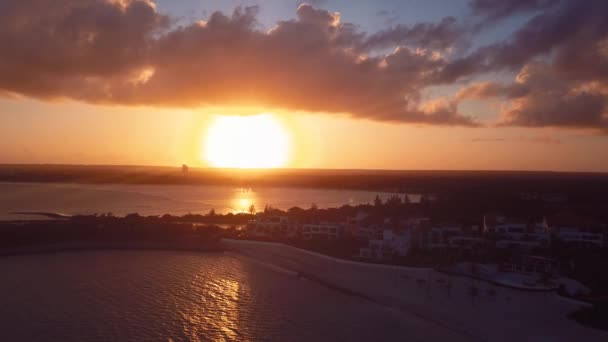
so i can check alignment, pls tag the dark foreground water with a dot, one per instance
(177, 296)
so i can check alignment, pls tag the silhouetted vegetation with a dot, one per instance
(107, 231)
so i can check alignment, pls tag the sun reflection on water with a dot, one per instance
(243, 199)
(218, 317)
(244, 202)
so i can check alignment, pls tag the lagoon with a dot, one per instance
(122, 199)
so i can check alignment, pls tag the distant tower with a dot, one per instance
(184, 169)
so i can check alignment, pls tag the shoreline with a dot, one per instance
(108, 246)
(442, 301)
(494, 282)
(219, 246)
(446, 302)
(400, 267)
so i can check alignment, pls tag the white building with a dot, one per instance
(466, 242)
(400, 243)
(438, 237)
(272, 226)
(392, 244)
(576, 236)
(509, 232)
(369, 232)
(359, 226)
(323, 230)
(573, 230)
(504, 227)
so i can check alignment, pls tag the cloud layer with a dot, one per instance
(125, 52)
(561, 59)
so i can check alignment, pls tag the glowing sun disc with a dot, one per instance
(257, 141)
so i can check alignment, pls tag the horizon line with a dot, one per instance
(207, 168)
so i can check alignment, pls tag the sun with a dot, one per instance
(256, 141)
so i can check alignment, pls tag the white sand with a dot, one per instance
(441, 312)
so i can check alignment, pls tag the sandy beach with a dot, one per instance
(450, 306)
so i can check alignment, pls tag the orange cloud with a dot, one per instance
(124, 52)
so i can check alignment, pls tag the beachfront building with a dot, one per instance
(438, 237)
(575, 236)
(515, 233)
(393, 243)
(575, 231)
(531, 264)
(376, 250)
(358, 219)
(466, 242)
(416, 222)
(362, 226)
(371, 227)
(265, 226)
(399, 241)
(322, 230)
(502, 226)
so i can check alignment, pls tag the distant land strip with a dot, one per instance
(373, 180)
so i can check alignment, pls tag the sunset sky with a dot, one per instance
(401, 84)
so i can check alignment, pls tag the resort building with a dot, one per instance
(531, 264)
(438, 237)
(272, 227)
(323, 230)
(466, 242)
(515, 233)
(392, 244)
(573, 230)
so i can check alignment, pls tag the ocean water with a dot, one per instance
(162, 199)
(178, 296)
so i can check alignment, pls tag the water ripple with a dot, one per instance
(176, 296)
